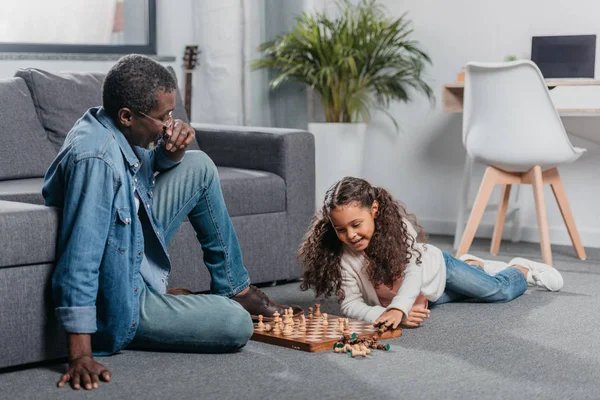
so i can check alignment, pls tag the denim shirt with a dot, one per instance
(96, 282)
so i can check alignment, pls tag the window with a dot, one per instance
(78, 26)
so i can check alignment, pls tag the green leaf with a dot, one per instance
(358, 61)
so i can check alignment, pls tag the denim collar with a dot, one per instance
(130, 155)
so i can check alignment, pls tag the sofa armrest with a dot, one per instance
(286, 152)
(289, 153)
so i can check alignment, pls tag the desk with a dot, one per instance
(453, 95)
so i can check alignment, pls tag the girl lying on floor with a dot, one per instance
(363, 247)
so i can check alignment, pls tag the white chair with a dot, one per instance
(511, 125)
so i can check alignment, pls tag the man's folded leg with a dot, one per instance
(193, 189)
(199, 323)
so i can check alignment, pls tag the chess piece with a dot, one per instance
(276, 323)
(340, 325)
(261, 325)
(346, 327)
(310, 312)
(325, 321)
(268, 328)
(288, 330)
(364, 348)
(357, 353)
(302, 327)
(286, 318)
(317, 310)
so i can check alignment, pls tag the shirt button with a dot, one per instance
(148, 205)
(136, 165)
(135, 290)
(139, 253)
(127, 220)
(135, 179)
(134, 324)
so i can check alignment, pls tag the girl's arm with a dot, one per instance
(411, 282)
(409, 290)
(354, 305)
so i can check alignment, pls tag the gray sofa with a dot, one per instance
(267, 176)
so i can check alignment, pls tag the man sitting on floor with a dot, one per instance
(110, 281)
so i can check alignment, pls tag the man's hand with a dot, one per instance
(389, 319)
(83, 370)
(416, 317)
(178, 137)
(86, 372)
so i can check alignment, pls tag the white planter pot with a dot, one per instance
(339, 152)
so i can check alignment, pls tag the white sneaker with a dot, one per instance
(540, 274)
(491, 267)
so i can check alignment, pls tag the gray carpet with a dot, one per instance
(542, 345)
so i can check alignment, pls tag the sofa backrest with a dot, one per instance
(38, 108)
(25, 151)
(60, 99)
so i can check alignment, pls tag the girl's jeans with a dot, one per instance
(465, 282)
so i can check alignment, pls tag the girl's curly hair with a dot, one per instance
(388, 253)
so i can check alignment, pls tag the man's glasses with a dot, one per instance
(165, 124)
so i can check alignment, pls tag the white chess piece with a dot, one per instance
(261, 325)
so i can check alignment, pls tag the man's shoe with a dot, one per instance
(257, 303)
(540, 274)
(179, 291)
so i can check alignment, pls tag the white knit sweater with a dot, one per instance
(361, 299)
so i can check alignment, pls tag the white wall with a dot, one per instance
(423, 164)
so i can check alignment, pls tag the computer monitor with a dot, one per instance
(565, 56)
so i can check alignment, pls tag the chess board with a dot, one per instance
(320, 337)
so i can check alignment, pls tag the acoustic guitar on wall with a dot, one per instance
(190, 59)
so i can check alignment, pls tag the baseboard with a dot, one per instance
(558, 235)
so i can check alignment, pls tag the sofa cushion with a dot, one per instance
(248, 192)
(60, 99)
(24, 150)
(28, 233)
(23, 190)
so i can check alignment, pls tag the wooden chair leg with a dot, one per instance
(483, 196)
(540, 208)
(563, 204)
(500, 218)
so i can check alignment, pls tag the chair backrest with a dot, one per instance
(509, 117)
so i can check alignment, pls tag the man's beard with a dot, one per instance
(153, 144)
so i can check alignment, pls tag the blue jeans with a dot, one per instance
(197, 323)
(466, 282)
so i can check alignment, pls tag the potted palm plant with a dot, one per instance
(357, 61)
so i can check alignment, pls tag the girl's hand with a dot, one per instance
(389, 319)
(416, 317)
